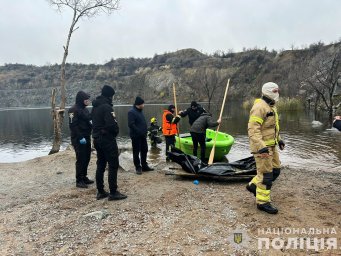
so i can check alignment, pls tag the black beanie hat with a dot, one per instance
(138, 101)
(108, 91)
(170, 107)
(194, 104)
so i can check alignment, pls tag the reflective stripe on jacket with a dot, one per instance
(263, 126)
(168, 128)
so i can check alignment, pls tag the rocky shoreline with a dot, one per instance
(43, 213)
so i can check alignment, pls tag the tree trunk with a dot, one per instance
(317, 102)
(331, 116)
(57, 114)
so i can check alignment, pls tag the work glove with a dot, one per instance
(281, 144)
(82, 141)
(264, 152)
(177, 119)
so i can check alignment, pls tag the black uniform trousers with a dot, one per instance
(107, 152)
(83, 154)
(170, 142)
(140, 148)
(199, 138)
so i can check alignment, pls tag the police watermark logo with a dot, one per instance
(288, 238)
(71, 115)
(238, 238)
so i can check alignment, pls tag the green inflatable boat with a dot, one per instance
(222, 147)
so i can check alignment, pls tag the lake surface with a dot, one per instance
(27, 133)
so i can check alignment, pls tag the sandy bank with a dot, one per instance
(43, 213)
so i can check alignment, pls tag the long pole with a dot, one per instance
(210, 160)
(176, 112)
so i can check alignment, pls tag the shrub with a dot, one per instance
(284, 104)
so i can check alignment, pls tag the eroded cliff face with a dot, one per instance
(198, 76)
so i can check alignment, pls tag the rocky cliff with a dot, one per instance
(197, 75)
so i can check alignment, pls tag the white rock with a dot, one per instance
(316, 123)
(98, 214)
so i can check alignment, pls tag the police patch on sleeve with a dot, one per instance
(71, 115)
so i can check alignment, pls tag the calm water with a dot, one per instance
(27, 133)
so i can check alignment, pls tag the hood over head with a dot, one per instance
(270, 90)
(81, 97)
(101, 100)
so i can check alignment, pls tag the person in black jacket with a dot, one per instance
(198, 133)
(337, 122)
(192, 112)
(138, 133)
(80, 126)
(105, 130)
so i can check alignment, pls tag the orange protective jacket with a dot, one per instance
(168, 127)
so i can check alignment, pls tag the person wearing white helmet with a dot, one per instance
(263, 131)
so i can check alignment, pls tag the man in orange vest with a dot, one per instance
(169, 127)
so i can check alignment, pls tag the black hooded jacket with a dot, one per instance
(103, 118)
(203, 122)
(193, 114)
(79, 118)
(337, 124)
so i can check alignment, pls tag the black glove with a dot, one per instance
(177, 119)
(263, 150)
(281, 144)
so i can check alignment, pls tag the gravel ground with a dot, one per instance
(43, 213)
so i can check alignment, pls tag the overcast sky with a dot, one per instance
(33, 32)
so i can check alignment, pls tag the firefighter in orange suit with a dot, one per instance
(263, 131)
(169, 127)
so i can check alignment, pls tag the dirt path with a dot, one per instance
(42, 212)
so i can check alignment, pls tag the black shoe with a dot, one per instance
(251, 188)
(102, 194)
(116, 196)
(81, 184)
(88, 181)
(167, 159)
(139, 170)
(147, 168)
(267, 207)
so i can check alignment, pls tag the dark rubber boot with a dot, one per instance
(251, 188)
(267, 207)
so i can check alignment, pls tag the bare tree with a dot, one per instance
(324, 78)
(80, 9)
(211, 82)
